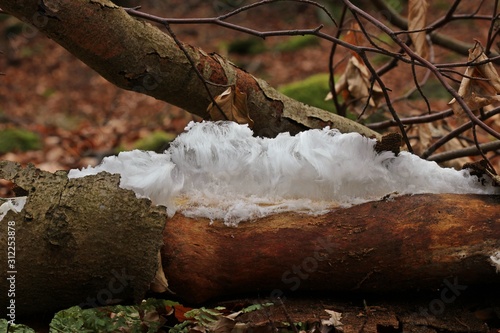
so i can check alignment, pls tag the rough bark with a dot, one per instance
(402, 244)
(137, 56)
(77, 242)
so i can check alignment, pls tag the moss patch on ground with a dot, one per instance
(16, 139)
(311, 91)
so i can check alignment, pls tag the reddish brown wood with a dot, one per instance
(399, 244)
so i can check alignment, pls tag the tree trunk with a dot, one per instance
(76, 242)
(402, 244)
(137, 56)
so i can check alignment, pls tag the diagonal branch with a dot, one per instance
(437, 38)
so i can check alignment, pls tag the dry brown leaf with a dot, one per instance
(480, 85)
(356, 81)
(159, 284)
(417, 13)
(354, 36)
(233, 104)
(334, 320)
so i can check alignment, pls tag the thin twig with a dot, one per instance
(456, 132)
(494, 18)
(412, 120)
(481, 152)
(469, 151)
(437, 38)
(193, 66)
(468, 63)
(417, 85)
(425, 62)
(341, 110)
(287, 316)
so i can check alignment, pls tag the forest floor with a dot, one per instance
(78, 117)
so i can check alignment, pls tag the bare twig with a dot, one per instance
(426, 63)
(491, 36)
(412, 120)
(193, 65)
(287, 316)
(437, 38)
(341, 109)
(469, 151)
(455, 133)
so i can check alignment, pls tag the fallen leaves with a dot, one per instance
(480, 84)
(334, 320)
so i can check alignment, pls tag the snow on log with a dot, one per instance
(74, 242)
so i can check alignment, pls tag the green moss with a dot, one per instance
(251, 45)
(433, 89)
(311, 91)
(13, 139)
(14, 328)
(48, 92)
(396, 4)
(156, 141)
(294, 43)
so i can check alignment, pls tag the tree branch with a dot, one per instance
(137, 56)
(437, 38)
(469, 151)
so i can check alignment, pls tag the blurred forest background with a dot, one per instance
(58, 114)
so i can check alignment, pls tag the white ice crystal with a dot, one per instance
(14, 204)
(495, 260)
(221, 171)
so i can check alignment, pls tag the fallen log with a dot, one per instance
(87, 242)
(84, 242)
(397, 244)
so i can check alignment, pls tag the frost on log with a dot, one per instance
(85, 240)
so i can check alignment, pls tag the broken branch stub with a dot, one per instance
(81, 241)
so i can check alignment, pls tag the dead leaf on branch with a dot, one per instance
(354, 36)
(417, 13)
(233, 104)
(480, 85)
(356, 82)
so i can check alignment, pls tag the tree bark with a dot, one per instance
(137, 56)
(76, 242)
(402, 244)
